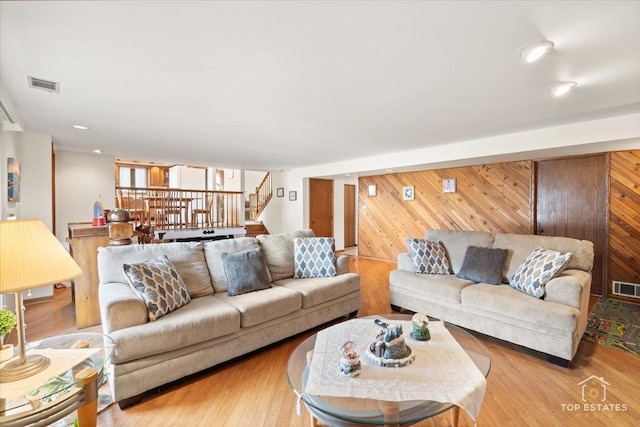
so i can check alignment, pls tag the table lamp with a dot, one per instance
(30, 257)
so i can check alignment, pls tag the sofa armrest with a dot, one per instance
(342, 264)
(120, 307)
(569, 288)
(405, 262)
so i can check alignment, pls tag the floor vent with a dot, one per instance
(43, 84)
(631, 290)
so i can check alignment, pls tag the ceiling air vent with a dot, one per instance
(43, 84)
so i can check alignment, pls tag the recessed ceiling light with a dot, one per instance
(97, 151)
(562, 88)
(537, 51)
(80, 127)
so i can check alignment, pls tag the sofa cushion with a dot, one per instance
(318, 290)
(428, 256)
(187, 257)
(278, 251)
(521, 245)
(159, 285)
(264, 305)
(245, 271)
(314, 257)
(201, 320)
(443, 288)
(456, 242)
(213, 254)
(506, 301)
(483, 265)
(537, 269)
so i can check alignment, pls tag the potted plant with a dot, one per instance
(7, 323)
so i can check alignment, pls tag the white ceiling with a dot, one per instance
(278, 85)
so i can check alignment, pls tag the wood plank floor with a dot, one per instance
(523, 388)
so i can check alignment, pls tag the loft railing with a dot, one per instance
(264, 192)
(175, 209)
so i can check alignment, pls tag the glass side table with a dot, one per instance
(78, 367)
(343, 411)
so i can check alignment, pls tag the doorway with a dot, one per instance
(572, 202)
(349, 215)
(321, 207)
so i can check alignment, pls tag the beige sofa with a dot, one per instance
(213, 327)
(553, 324)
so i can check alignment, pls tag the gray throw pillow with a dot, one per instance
(245, 271)
(483, 265)
(429, 256)
(537, 269)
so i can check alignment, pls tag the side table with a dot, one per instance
(63, 387)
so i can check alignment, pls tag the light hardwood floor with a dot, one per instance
(523, 388)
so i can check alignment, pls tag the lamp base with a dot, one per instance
(14, 370)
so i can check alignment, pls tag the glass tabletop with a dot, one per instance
(69, 355)
(339, 410)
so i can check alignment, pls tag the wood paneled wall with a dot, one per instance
(624, 217)
(495, 198)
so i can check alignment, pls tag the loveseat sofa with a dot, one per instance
(213, 326)
(553, 323)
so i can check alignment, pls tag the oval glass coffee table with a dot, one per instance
(344, 411)
(70, 383)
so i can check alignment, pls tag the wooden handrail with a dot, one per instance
(178, 208)
(264, 192)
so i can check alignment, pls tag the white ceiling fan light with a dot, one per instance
(80, 127)
(537, 51)
(562, 88)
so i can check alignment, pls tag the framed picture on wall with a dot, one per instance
(372, 190)
(449, 185)
(293, 196)
(280, 192)
(13, 180)
(408, 192)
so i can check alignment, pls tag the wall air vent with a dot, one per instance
(631, 290)
(43, 84)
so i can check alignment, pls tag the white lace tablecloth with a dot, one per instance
(442, 371)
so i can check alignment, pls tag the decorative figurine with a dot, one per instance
(390, 349)
(350, 364)
(420, 330)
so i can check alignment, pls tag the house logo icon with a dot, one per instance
(594, 389)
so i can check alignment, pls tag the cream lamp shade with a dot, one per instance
(31, 256)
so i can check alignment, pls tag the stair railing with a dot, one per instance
(264, 192)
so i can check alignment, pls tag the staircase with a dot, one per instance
(255, 228)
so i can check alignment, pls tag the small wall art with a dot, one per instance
(293, 196)
(373, 191)
(408, 192)
(280, 192)
(13, 181)
(449, 185)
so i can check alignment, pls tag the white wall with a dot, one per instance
(80, 180)
(33, 151)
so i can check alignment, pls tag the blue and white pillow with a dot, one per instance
(429, 256)
(314, 257)
(537, 269)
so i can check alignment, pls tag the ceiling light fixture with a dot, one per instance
(562, 88)
(97, 151)
(80, 127)
(537, 51)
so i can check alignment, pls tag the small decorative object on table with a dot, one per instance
(390, 349)
(420, 330)
(350, 364)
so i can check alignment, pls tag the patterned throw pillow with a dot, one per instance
(429, 256)
(537, 269)
(314, 257)
(159, 284)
